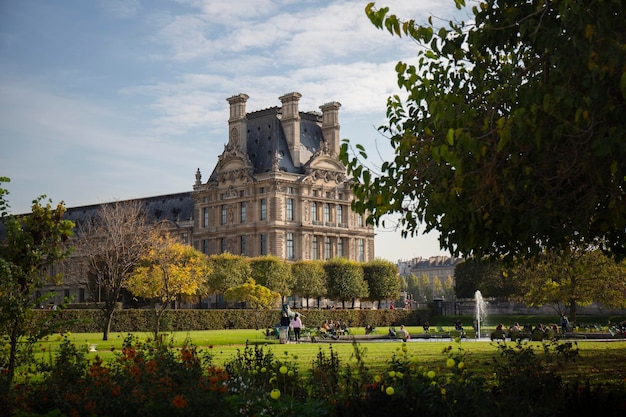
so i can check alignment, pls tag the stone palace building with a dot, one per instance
(278, 188)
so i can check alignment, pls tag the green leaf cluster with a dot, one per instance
(510, 135)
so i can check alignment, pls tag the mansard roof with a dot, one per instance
(266, 141)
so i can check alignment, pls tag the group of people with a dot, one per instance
(403, 333)
(516, 331)
(336, 328)
(295, 324)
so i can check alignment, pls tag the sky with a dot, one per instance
(105, 100)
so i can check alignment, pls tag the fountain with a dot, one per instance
(480, 313)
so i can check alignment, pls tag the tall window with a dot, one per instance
(242, 212)
(315, 254)
(340, 247)
(339, 213)
(290, 209)
(205, 217)
(205, 246)
(326, 213)
(290, 246)
(361, 250)
(314, 211)
(327, 251)
(185, 238)
(223, 244)
(263, 243)
(223, 214)
(243, 245)
(263, 209)
(359, 220)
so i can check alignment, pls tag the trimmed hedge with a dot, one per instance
(90, 320)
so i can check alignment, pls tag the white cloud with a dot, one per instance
(123, 9)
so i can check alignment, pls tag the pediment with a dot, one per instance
(232, 160)
(325, 162)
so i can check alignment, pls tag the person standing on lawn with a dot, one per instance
(296, 325)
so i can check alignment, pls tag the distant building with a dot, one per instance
(435, 266)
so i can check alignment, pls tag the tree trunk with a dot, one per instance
(572, 311)
(12, 358)
(108, 319)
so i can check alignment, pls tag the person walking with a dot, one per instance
(283, 335)
(296, 325)
(564, 324)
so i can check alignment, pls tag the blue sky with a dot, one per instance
(104, 100)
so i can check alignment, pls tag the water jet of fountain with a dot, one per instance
(481, 311)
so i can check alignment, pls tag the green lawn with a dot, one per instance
(599, 361)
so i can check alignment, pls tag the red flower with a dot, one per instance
(179, 401)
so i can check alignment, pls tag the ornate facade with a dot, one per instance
(279, 188)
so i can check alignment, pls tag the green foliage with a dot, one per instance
(569, 278)
(228, 270)
(344, 280)
(273, 273)
(484, 275)
(147, 378)
(31, 245)
(309, 279)
(88, 321)
(509, 138)
(382, 280)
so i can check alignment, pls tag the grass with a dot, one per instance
(599, 361)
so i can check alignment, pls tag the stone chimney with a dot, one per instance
(330, 126)
(237, 123)
(291, 124)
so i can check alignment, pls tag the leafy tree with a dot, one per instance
(309, 280)
(484, 275)
(413, 288)
(30, 245)
(344, 280)
(169, 271)
(227, 271)
(112, 244)
(382, 280)
(447, 288)
(510, 138)
(570, 278)
(273, 273)
(256, 296)
(437, 287)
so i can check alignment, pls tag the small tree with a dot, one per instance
(254, 295)
(309, 280)
(111, 245)
(227, 271)
(345, 280)
(273, 273)
(31, 244)
(170, 270)
(382, 280)
(571, 278)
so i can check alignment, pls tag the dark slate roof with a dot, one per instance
(174, 207)
(266, 139)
